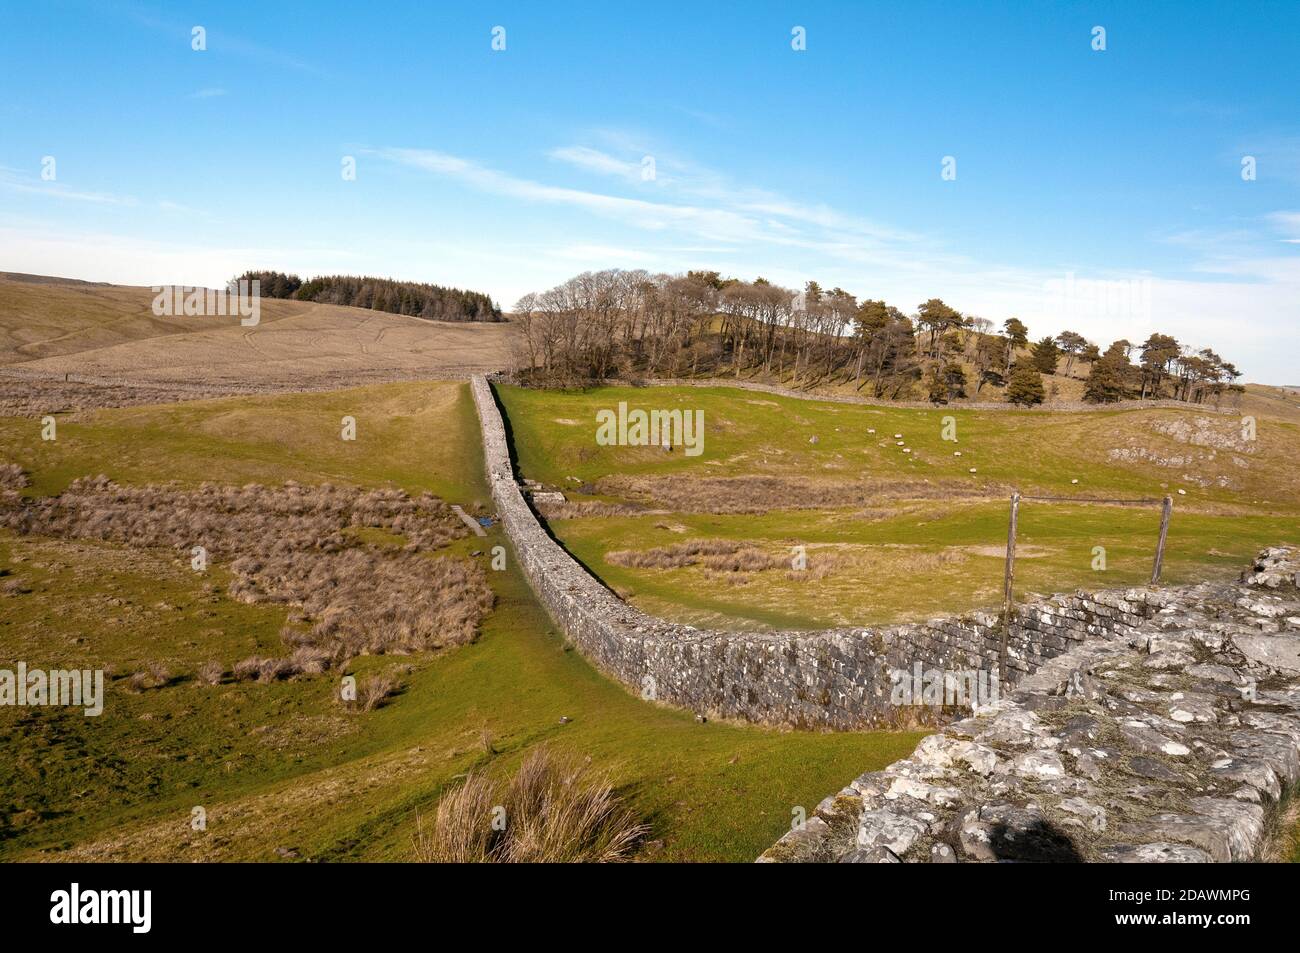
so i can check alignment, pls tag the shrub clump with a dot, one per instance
(374, 692)
(294, 545)
(553, 810)
(719, 555)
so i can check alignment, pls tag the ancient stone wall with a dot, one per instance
(1175, 742)
(838, 679)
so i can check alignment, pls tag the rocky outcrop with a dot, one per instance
(1171, 742)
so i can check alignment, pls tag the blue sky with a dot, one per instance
(1077, 171)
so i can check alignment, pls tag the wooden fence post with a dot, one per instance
(1164, 534)
(1008, 587)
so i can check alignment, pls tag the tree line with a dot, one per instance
(419, 300)
(629, 324)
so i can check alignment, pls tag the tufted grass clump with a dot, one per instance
(554, 809)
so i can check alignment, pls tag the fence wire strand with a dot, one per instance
(1088, 499)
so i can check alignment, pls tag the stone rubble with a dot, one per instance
(1171, 743)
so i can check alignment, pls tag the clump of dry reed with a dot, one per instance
(553, 810)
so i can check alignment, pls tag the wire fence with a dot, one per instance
(1008, 592)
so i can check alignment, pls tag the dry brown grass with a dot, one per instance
(12, 477)
(553, 810)
(51, 326)
(211, 672)
(719, 555)
(373, 692)
(732, 560)
(108, 335)
(37, 396)
(288, 545)
(249, 668)
(14, 587)
(154, 675)
(577, 509)
(761, 494)
(223, 518)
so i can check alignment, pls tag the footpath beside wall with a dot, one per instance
(837, 679)
(1175, 743)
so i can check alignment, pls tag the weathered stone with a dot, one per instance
(875, 855)
(1145, 767)
(885, 828)
(1228, 830)
(1176, 658)
(1277, 751)
(921, 791)
(1147, 739)
(1158, 853)
(1039, 764)
(942, 854)
(1015, 728)
(1191, 707)
(1005, 832)
(1091, 815)
(1257, 774)
(1217, 673)
(1087, 765)
(1280, 653)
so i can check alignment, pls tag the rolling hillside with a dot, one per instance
(52, 327)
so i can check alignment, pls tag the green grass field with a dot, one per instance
(412, 437)
(280, 764)
(923, 536)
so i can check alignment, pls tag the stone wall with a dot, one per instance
(836, 679)
(1175, 742)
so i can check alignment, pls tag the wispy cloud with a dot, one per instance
(712, 223)
(593, 160)
(1289, 224)
(14, 182)
(220, 41)
(701, 206)
(211, 92)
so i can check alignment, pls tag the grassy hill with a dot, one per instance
(53, 327)
(894, 532)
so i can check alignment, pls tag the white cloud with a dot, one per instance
(593, 160)
(57, 190)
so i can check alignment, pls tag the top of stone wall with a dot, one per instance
(1174, 743)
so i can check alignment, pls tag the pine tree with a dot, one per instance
(1111, 372)
(1045, 356)
(1026, 385)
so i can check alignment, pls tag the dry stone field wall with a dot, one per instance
(837, 679)
(1174, 741)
